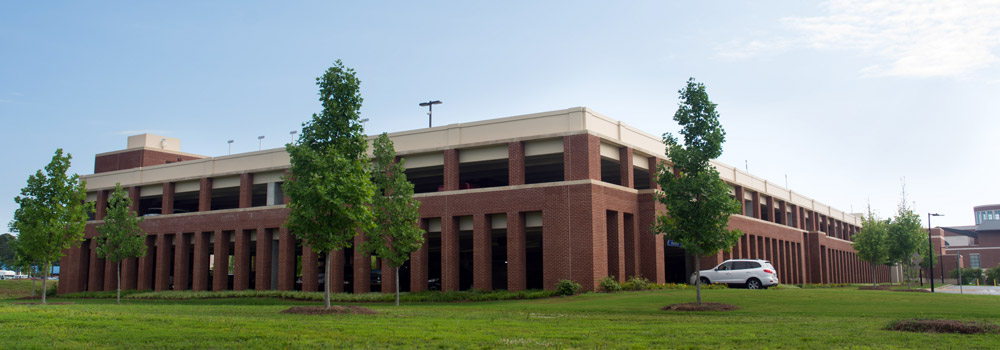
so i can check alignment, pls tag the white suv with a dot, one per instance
(754, 274)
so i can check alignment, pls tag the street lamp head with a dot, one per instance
(260, 137)
(293, 132)
(365, 120)
(935, 214)
(425, 104)
(230, 141)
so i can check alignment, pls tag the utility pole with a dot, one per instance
(430, 110)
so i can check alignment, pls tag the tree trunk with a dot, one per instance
(697, 281)
(119, 282)
(326, 282)
(45, 276)
(397, 285)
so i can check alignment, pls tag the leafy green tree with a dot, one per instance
(121, 237)
(330, 187)
(6, 251)
(904, 235)
(396, 232)
(52, 213)
(697, 200)
(22, 263)
(870, 242)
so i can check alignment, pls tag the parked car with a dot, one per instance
(754, 274)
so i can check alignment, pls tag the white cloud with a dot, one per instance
(930, 38)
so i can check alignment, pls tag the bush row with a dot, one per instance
(610, 284)
(426, 296)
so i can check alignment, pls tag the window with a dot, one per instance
(974, 261)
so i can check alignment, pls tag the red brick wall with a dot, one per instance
(136, 158)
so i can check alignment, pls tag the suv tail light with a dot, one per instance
(769, 271)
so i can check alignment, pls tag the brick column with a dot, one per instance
(163, 244)
(246, 190)
(625, 166)
(482, 252)
(199, 281)
(516, 251)
(650, 245)
(362, 267)
(134, 194)
(310, 264)
(515, 163)
(449, 253)
(582, 157)
(130, 274)
(182, 253)
(147, 264)
(262, 260)
(653, 162)
(101, 206)
(66, 260)
(286, 259)
(451, 170)
(615, 246)
(755, 199)
(388, 277)
(111, 276)
(418, 263)
(738, 193)
(241, 260)
(336, 277)
(769, 203)
(96, 275)
(167, 205)
(783, 209)
(205, 194)
(220, 273)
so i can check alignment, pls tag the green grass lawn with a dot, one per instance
(785, 318)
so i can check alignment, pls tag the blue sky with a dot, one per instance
(843, 97)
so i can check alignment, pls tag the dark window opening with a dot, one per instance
(279, 195)
(640, 178)
(403, 273)
(93, 214)
(465, 269)
(169, 251)
(533, 258)
(499, 264)
(543, 168)
(433, 260)
(488, 173)
(151, 205)
(611, 172)
(763, 212)
(225, 198)
(349, 270)
(375, 275)
(185, 202)
(258, 196)
(777, 216)
(426, 179)
(748, 208)
(613, 243)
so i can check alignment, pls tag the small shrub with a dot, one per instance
(969, 275)
(610, 285)
(53, 288)
(567, 287)
(636, 283)
(993, 276)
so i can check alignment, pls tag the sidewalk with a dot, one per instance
(980, 290)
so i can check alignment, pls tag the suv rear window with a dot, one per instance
(751, 265)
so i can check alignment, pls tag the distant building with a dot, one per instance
(979, 244)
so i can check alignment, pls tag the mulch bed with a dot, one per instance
(319, 310)
(944, 326)
(63, 303)
(875, 288)
(700, 307)
(912, 290)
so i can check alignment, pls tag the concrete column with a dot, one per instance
(246, 190)
(625, 166)
(362, 267)
(449, 253)
(310, 266)
(147, 264)
(615, 246)
(516, 251)
(199, 281)
(101, 206)
(163, 268)
(418, 262)
(220, 274)
(205, 194)
(262, 259)
(482, 252)
(336, 278)
(515, 163)
(286, 259)
(167, 205)
(582, 157)
(388, 277)
(182, 253)
(95, 281)
(451, 170)
(241, 260)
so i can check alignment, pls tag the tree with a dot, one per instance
(6, 251)
(22, 263)
(330, 187)
(52, 214)
(396, 232)
(870, 242)
(121, 236)
(904, 234)
(697, 200)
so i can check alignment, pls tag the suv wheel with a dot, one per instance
(754, 283)
(704, 280)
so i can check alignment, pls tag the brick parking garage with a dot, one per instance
(512, 203)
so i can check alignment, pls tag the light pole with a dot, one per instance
(230, 142)
(930, 252)
(430, 109)
(260, 142)
(364, 123)
(293, 132)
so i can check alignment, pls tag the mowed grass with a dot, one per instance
(782, 319)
